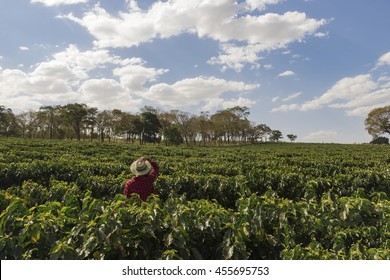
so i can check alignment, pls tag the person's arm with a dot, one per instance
(156, 169)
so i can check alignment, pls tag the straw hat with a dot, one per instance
(140, 167)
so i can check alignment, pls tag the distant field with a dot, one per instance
(63, 200)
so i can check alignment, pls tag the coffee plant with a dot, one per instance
(64, 200)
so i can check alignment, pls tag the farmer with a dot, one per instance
(145, 171)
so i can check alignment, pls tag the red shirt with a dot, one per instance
(143, 185)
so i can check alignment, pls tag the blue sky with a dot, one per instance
(308, 67)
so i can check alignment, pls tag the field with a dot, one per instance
(63, 200)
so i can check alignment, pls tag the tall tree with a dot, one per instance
(90, 120)
(276, 135)
(75, 114)
(104, 123)
(8, 122)
(50, 116)
(151, 127)
(204, 127)
(378, 121)
(292, 137)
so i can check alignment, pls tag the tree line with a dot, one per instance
(150, 125)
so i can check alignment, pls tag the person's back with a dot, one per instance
(146, 172)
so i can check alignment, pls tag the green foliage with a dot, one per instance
(380, 140)
(63, 200)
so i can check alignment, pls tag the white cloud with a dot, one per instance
(59, 2)
(261, 4)
(225, 21)
(133, 75)
(357, 95)
(241, 101)
(108, 94)
(85, 61)
(10, 81)
(285, 108)
(57, 80)
(346, 89)
(236, 57)
(287, 74)
(292, 96)
(322, 135)
(196, 90)
(384, 59)
(321, 34)
(22, 48)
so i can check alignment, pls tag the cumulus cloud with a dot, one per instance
(241, 101)
(66, 78)
(287, 74)
(322, 135)
(23, 48)
(348, 88)
(134, 75)
(86, 61)
(285, 108)
(225, 21)
(357, 95)
(59, 2)
(292, 96)
(196, 90)
(108, 94)
(56, 80)
(384, 60)
(261, 4)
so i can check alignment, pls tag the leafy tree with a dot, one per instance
(186, 123)
(173, 136)
(292, 137)
(378, 121)
(104, 123)
(150, 127)
(261, 131)
(75, 114)
(49, 115)
(276, 135)
(91, 120)
(225, 125)
(204, 127)
(380, 140)
(8, 122)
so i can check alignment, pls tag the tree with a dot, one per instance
(49, 115)
(74, 115)
(186, 123)
(276, 135)
(204, 127)
(173, 136)
(380, 140)
(292, 137)
(378, 121)
(150, 127)
(90, 120)
(261, 131)
(104, 122)
(8, 122)
(225, 125)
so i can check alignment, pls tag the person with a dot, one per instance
(146, 172)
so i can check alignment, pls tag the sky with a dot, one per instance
(306, 67)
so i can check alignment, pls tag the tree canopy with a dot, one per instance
(78, 121)
(378, 121)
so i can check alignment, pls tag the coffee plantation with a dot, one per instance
(64, 200)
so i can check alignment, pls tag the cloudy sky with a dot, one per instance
(308, 67)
